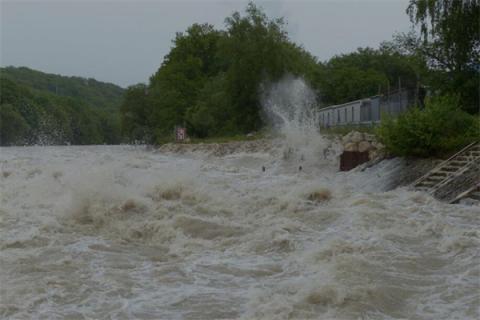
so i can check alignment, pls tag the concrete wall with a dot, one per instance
(366, 111)
(344, 114)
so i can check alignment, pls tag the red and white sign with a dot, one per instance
(180, 134)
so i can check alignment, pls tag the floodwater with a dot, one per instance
(124, 232)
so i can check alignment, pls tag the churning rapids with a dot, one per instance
(126, 232)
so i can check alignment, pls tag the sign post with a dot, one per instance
(180, 134)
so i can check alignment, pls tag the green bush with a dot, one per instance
(437, 130)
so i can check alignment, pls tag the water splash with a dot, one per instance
(291, 107)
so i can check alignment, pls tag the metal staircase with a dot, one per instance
(451, 169)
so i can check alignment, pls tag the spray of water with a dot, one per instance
(290, 108)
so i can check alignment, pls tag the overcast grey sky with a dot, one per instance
(124, 41)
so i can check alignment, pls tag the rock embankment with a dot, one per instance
(222, 149)
(363, 142)
(403, 171)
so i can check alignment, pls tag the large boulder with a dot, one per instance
(373, 154)
(369, 137)
(346, 139)
(357, 136)
(378, 145)
(351, 147)
(364, 146)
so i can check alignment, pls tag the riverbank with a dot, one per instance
(403, 171)
(222, 147)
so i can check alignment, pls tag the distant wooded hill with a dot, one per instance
(90, 91)
(42, 108)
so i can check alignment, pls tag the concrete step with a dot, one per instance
(458, 163)
(449, 169)
(427, 185)
(469, 155)
(454, 165)
(435, 178)
(424, 184)
(425, 189)
(463, 158)
(430, 183)
(439, 173)
(475, 195)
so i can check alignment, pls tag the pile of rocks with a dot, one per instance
(363, 142)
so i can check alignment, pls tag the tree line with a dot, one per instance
(211, 79)
(448, 53)
(40, 108)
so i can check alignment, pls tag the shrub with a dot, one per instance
(438, 129)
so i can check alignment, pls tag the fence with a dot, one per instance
(365, 111)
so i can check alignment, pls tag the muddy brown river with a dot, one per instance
(126, 232)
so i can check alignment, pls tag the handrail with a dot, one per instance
(449, 178)
(465, 193)
(439, 166)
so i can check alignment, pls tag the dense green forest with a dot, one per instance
(40, 108)
(100, 95)
(211, 80)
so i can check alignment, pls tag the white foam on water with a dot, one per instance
(126, 232)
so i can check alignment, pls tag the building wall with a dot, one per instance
(366, 111)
